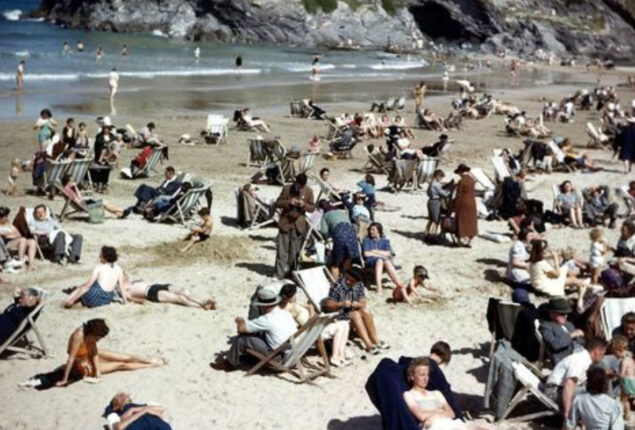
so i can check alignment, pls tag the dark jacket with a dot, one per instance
(291, 215)
(558, 342)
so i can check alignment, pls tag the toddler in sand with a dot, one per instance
(16, 166)
(599, 248)
(619, 347)
(201, 232)
(408, 293)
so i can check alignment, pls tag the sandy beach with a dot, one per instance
(233, 262)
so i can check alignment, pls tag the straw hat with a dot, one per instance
(267, 297)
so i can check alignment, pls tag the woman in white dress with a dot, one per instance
(113, 82)
(430, 407)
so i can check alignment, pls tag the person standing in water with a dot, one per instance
(80, 46)
(113, 83)
(197, 53)
(99, 54)
(66, 48)
(315, 71)
(239, 62)
(124, 51)
(19, 75)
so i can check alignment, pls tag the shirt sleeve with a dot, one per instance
(257, 325)
(367, 245)
(616, 418)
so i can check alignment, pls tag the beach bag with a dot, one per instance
(96, 211)
(448, 225)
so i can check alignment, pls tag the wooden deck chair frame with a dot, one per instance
(375, 162)
(27, 325)
(79, 171)
(313, 232)
(260, 209)
(151, 164)
(77, 208)
(530, 388)
(299, 343)
(559, 156)
(330, 193)
(315, 293)
(181, 210)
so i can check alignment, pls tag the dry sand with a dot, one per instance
(234, 262)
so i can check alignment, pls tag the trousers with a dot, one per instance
(241, 343)
(287, 252)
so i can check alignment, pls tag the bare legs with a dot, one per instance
(380, 265)
(185, 298)
(110, 361)
(26, 249)
(113, 210)
(192, 239)
(364, 325)
(575, 213)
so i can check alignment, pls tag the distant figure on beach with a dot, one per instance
(420, 92)
(513, 69)
(113, 82)
(99, 54)
(66, 48)
(315, 71)
(197, 53)
(124, 51)
(80, 46)
(239, 62)
(19, 75)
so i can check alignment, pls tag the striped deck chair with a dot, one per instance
(184, 207)
(252, 213)
(19, 341)
(426, 169)
(612, 312)
(402, 174)
(257, 154)
(217, 126)
(55, 170)
(375, 162)
(298, 345)
(94, 210)
(79, 171)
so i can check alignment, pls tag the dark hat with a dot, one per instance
(355, 273)
(462, 168)
(559, 305)
(443, 136)
(421, 272)
(521, 296)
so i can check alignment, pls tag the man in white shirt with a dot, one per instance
(263, 334)
(19, 75)
(570, 373)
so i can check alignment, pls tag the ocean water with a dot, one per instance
(163, 71)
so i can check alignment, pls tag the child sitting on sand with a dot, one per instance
(315, 145)
(201, 232)
(599, 248)
(408, 292)
(619, 347)
(16, 166)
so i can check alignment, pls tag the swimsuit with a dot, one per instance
(152, 292)
(96, 296)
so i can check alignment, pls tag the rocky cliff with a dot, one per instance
(585, 27)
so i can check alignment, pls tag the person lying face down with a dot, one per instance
(123, 414)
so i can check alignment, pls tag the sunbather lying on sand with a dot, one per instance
(140, 292)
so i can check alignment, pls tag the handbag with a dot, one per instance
(448, 224)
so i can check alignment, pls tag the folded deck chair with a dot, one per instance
(481, 177)
(257, 154)
(252, 213)
(183, 209)
(612, 312)
(402, 173)
(375, 163)
(19, 341)
(217, 126)
(297, 346)
(530, 379)
(79, 172)
(426, 169)
(315, 283)
(500, 168)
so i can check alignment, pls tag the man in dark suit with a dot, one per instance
(294, 201)
(558, 333)
(146, 194)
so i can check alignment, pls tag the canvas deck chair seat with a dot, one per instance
(79, 172)
(184, 208)
(596, 137)
(483, 180)
(94, 208)
(400, 104)
(251, 213)
(150, 166)
(54, 172)
(257, 156)
(287, 358)
(314, 237)
(375, 163)
(217, 127)
(315, 283)
(327, 191)
(500, 168)
(425, 170)
(559, 156)
(629, 201)
(612, 311)
(403, 173)
(19, 341)
(295, 108)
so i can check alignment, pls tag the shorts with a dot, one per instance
(152, 293)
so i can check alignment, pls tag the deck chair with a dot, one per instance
(426, 169)
(55, 170)
(19, 341)
(629, 201)
(596, 137)
(257, 156)
(402, 173)
(530, 379)
(390, 104)
(612, 311)
(444, 153)
(307, 109)
(295, 108)
(400, 104)
(559, 155)
(184, 207)
(94, 211)
(22, 219)
(299, 344)
(506, 315)
(315, 283)
(375, 163)
(151, 164)
(327, 191)
(252, 213)
(542, 349)
(481, 177)
(217, 127)
(79, 171)
(500, 168)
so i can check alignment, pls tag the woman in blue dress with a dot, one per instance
(377, 253)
